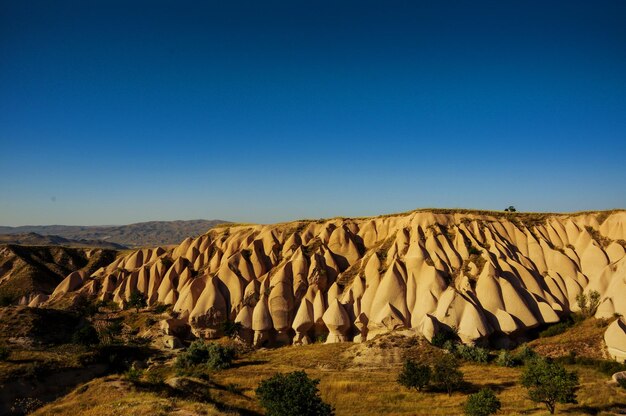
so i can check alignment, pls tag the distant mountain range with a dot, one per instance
(142, 234)
(34, 239)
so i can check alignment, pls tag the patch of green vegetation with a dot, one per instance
(231, 329)
(414, 375)
(483, 403)
(447, 375)
(506, 359)
(211, 355)
(292, 394)
(557, 328)
(548, 382)
(588, 303)
(468, 352)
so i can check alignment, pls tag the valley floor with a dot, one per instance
(357, 379)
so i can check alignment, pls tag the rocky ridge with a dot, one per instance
(488, 276)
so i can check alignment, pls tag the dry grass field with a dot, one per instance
(355, 379)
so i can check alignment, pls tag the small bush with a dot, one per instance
(4, 353)
(133, 375)
(525, 355)
(414, 375)
(610, 367)
(471, 353)
(211, 355)
(483, 403)
(86, 335)
(446, 374)
(292, 394)
(231, 329)
(473, 251)
(441, 337)
(155, 378)
(606, 367)
(555, 329)
(160, 308)
(505, 359)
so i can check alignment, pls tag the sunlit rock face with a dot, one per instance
(341, 280)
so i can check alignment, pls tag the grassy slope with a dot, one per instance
(24, 269)
(585, 339)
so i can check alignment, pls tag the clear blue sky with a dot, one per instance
(114, 112)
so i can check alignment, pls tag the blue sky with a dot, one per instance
(114, 112)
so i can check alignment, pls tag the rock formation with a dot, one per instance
(486, 274)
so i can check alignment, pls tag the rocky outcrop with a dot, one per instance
(615, 339)
(480, 273)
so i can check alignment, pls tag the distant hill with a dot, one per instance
(142, 234)
(34, 239)
(25, 270)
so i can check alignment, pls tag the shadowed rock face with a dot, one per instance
(351, 279)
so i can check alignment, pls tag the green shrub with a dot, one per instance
(607, 367)
(446, 374)
(155, 378)
(231, 329)
(86, 335)
(133, 375)
(525, 354)
(471, 353)
(210, 355)
(160, 308)
(610, 367)
(444, 335)
(505, 359)
(473, 251)
(548, 382)
(292, 394)
(414, 375)
(483, 403)
(555, 329)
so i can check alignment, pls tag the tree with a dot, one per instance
(588, 303)
(511, 208)
(414, 375)
(136, 300)
(292, 394)
(483, 403)
(550, 383)
(446, 374)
